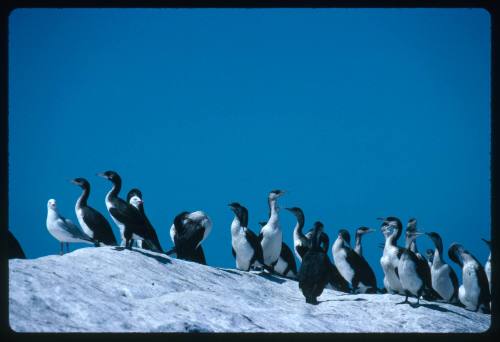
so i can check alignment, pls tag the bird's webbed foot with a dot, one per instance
(405, 301)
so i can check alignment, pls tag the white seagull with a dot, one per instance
(62, 229)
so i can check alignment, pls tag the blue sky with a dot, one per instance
(357, 113)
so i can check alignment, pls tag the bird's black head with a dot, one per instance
(299, 214)
(344, 235)
(318, 225)
(392, 223)
(241, 212)
(316, 235)
(436, 238)
(364, 230)
(134, 192)
(81, 182)
(111, 175)
(274, 194)
(454, 253)
(234, 206)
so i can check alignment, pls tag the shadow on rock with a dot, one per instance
(344, 300)
(163, 259)
(271, 278)
(230, 271)
(440, 308)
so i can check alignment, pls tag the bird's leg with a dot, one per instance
(96, 243)
(417, 304)
(405, 301)
(129, 243)
(62, 248)
(67, 247)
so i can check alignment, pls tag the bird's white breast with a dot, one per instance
(339, 257)
(389, 262)
(172, 233)
(469, 294)
(408, 277)
(81, 221)
(441, 281)
(243, 249)
(271, 243)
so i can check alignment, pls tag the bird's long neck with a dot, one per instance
(413, 246)
(357, 247)
(467, 257)
(235, 226)
(408, 242)
(297, 231)
(273, 211)
(438, 252)
(437, 259)
(82, 200)
(115, 190)
(315, 239)
(391, 239)
(338, 244)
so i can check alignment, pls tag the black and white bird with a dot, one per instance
(314, 272)
(352, 266)
(92, 222)
(301, 243)
(415, 279)
(62, 229)
(188, 231)
(245, 244)
(286, 265)
(359, 234)
(14, 247)
(134, 197)
(444, 278)
(391, 228)
(474, 293)
(429, 253)
(487, 265)
(128, 219)
(271, 236)
(412, 227)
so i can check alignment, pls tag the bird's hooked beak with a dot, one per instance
(289, 209)
(74, 181)
(280, 193)
(101, 174)
(371, 230)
